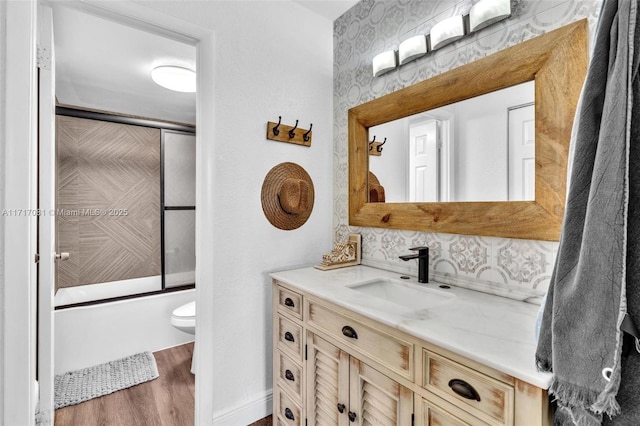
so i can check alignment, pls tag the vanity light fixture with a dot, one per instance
(447, 31)
(176, 78)
(412, 48)
(481, 15)
(384, 62)
(487, 12)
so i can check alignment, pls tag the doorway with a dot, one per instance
(202, 39)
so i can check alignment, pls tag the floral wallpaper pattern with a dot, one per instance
(514, 268)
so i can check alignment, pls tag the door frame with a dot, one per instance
(20, 118)
(19, 231)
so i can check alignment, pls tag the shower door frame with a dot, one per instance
(164, 127)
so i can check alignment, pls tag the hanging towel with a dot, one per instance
(580, 339)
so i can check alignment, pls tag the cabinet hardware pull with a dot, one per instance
(289, 375)
(289, 414)
(341, 408)
(349, 332)
(352, 416)
(464, 389)
(288, 302)
(289, 337)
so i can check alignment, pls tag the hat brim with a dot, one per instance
(270, 203)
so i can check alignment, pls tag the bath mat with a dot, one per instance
(82, 385)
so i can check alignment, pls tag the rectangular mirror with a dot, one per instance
(479, 149)
(556, 64)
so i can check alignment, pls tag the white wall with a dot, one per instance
(272, 58)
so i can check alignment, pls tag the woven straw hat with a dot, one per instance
(287, 196)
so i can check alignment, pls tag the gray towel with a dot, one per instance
(580, 339)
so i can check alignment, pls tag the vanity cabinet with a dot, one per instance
(341, 390)
(333, 366)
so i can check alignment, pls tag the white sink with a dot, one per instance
(405, 294)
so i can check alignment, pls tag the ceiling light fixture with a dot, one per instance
(179, 79)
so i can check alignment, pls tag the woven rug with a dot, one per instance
(78, 386)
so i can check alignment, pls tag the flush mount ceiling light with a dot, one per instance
(179, 79)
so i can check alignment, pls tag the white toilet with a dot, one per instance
(184, 319)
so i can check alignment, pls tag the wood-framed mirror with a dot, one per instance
(557, 62)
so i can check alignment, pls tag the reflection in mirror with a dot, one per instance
(479, 149)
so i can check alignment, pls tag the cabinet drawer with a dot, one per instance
(289, 302)
(289, 413)
(484, 397)
(289, 375)
(390, 351)
(436, 415)
(290, 337)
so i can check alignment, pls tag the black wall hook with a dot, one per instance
(275, 128)
(306, 135)
(379, 147)
(371, 143)
(292, 133)
(283, 132)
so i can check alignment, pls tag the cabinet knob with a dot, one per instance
(341, 408)
(289, 375)
(289, 414)
(464, 389)
(352, 416)
(349, 332)
(288, 302)
(289, 337)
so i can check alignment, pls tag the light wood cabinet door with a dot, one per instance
(327, 383)
(376, 399)
(342, 390)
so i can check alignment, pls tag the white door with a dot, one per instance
(424, 164)
(522, 153)
(47, 205)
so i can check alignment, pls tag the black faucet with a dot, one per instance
(423, 262)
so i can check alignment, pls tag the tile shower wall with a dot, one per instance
(114, 169)
(510, 267)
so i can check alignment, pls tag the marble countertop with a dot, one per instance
(493, 330)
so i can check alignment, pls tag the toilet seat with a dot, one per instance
(184, 317)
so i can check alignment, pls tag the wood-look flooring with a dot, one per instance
(167, 400)
(264, 422)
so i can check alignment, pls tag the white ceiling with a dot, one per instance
(106, 66)
(330, 9)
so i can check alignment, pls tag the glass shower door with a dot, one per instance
(178, 208)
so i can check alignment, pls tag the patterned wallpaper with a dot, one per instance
(510, 267)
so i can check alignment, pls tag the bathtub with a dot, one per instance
(89, 335)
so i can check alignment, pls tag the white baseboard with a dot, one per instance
(248, 413)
